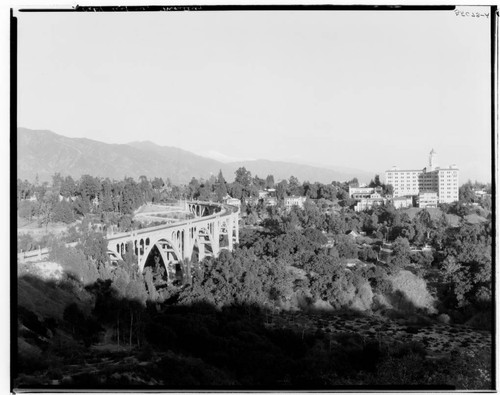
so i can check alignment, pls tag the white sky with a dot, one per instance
(365, 90)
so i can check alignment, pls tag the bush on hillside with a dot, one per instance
(63, 212)
(26, 209)
(74, 263)
(413, 290)
(26, 242)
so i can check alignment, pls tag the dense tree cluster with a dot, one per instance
(238, 278)
(65, 198)
(466, 265)
(376, 183)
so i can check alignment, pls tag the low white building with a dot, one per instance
(263, 194)
(291, 201)
(367, 204)
(481, 194)
(270, 201)
(402, 202)
(427, 199)
(365, 193)
(252, 201)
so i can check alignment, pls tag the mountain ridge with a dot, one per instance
(44, 153)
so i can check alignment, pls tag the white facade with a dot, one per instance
(365, 192)
(443, 181)
(402, 202)
(427, 199)
(404, 182)
(294, 201)
(448, 185)
(263, 194)
(368, 204)
(270, 201)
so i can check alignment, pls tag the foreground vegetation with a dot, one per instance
(103, 325)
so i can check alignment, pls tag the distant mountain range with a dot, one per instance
(44, 153)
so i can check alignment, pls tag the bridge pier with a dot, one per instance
(186, 243)
(237, 231)
(229, 230)
(201, 251)
(215, 238)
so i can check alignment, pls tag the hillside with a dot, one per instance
(44, 153)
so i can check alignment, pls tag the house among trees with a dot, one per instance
(353, 234)
(402, 201)
(365, 192)
(355, 262)
(366, 197)
(252, 201)
(293, 200)
(385, 252)
(263, 194)
(481, 193)
(270, 201)
(268, 197)
(368, 204)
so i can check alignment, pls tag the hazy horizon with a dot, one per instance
(363, 176)
(362, 90)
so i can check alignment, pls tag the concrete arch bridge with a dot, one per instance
(214, 228)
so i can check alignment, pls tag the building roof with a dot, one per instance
(353, 233)
(403, 170)
(451, 167)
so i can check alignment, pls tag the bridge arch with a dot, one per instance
(168, 250)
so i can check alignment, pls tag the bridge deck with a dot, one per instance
(179, 224)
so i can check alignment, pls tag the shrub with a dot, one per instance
(400, 253)
(413, 289)
(125, 223)
(26, 242)
(72, 235)
(26, 209)
(364, 297)
(63, 212)
(74, 263)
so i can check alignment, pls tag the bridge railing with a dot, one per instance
(38, 253)
(226, 210)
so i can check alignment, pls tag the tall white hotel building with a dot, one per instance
(432, 179)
